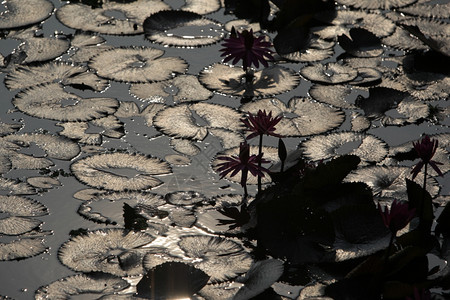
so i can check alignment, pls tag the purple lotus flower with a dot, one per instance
(261, 123)
(243, 163)
(398, 217)
(426, 149)
(248, 48)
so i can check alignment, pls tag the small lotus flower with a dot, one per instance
(425, 149)
(261, 123)
(243, 163)
(398, 217)
(248, 48)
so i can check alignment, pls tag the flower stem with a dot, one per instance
(259, 162)
(386, 258)
(422, 205)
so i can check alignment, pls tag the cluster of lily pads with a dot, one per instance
(324, 222)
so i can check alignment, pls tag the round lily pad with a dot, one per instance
(66, 74)
(20, 13)
(230, 80)
(50, 101)
(75, 285)
(104, 171)
(300, 115)
(112, 251)
(389, 181)
(21, 249)
(220, 258)
(183, 88)
(368, 147)
(376, 4)
(193, 121)
(111, 18)
(136, 64)
(330, 73)
(182, 29)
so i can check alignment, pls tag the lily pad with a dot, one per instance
(75, 285)
(377, 4)
(113, 251)
(300, 115)
(48, 102)
(220, 258)
(20, 13)
(192, 121)
(136, 64)
(103, 171)
(230, 80)
(66, 74)
(368, 147)
(330, 73)
(21, 249)
(102, 20)
(183, 88)
(361, 43)
(181, 28)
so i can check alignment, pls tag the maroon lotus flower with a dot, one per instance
(425, 149)
(243, 163)
(398, 217)
(262, 123)
(422, 294)
(248, 48)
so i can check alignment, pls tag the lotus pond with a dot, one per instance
(117, 117)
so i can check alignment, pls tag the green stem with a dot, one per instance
(259, 163)
(386, 258)
(422, 205)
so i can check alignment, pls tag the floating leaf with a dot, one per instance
(178, 160)
(361, 43)
(180, 120)
(185, 198)
(136, 64)
(184, 146)
(101, 20)
(49, 102)
(171, 280)
(107, 207)
(389, 182)
(201, 6)
(113, 251)
(87, 46)
(330, 73)
(182, 29)
(75, 285)
(43, 182)
(53, 145)
(98, 171)
(230, 80)
(377, 4)
(183, 88)
(21, 249)
(6, 128)
(220, 258)
(66, 74)
(427, 10)
(300, 115)
(335, 95)
(403, 40)
(260, 277)
(182, 217)
(16, 187)
(20, 13)
(368, 147)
